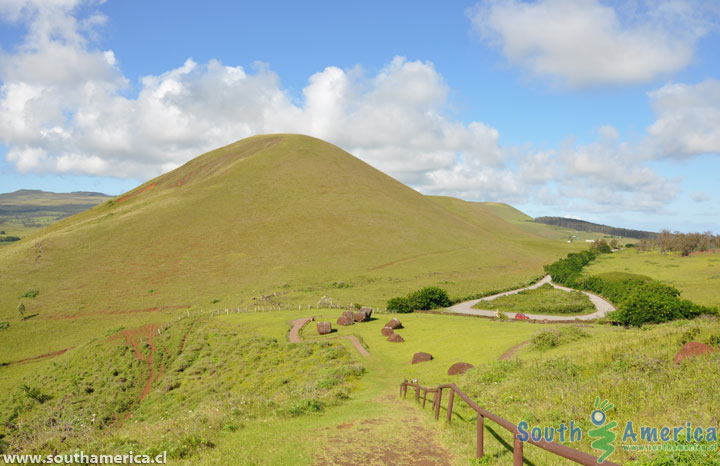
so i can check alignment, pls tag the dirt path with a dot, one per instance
(361, 349)
(294, 335)
(602, 306)
(39, 358)
(298, 324)
(511, 352)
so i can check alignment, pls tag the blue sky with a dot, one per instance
(605, 111)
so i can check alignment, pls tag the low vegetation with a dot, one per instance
(634, 369)
(430, 297)
(542, 300)
(552, 338)
(639, 299)
(99, 396)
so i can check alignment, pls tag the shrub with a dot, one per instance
(400, 305)
(4, 325)
(30, 294)
(431, 297)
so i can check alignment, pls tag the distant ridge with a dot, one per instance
(582, 225)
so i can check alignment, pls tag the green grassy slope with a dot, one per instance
(281, 214)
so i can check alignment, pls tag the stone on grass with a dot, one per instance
(395, 338)
(367, 310)
(692, 348)
(394, 324)
(346, 318)
(324, 328)
(459, 368)
(360, 316)
(387, 331)
(421, 357)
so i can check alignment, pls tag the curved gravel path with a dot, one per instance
(603, 306)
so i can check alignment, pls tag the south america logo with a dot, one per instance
(603, 435)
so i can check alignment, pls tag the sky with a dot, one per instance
(607, 111)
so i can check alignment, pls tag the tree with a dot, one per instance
(21, 310)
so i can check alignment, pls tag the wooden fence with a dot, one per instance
(556, 448)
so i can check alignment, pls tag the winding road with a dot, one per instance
(602, 306)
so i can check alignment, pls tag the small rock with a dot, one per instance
(421, 357)
(395, 338)
(692, 348)
(360, 316)
(459, 368)
(394, 324)
(387, 331)
(324, 328)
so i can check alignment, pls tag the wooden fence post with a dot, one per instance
(517, 451)
(424, 397)
(480, 431)
(450, 404)
(437, 406)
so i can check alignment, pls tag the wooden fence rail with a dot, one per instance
(556, 448)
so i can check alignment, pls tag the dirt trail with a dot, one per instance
(356, 343)
(38, 358)
(294, 335)
(511, 352)
(147, 331)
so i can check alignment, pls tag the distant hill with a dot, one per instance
(582, 225)
(284, 215)
(26, 210)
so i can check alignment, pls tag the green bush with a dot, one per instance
(430, 297)
(400, 305)
(4, 325)
(30, 294)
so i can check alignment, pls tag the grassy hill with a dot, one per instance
(26, 210)
(283, 215)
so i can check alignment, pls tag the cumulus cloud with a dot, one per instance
(65, 108)
(688, 119)
(588, 42)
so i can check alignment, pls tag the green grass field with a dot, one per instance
(543, 300)
(697, 276)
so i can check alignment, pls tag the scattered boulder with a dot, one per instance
(421, 357)
(692, 348)
(387, 331)
(360, 316)
(367, 310)
(395, 338)
(394, 324)
(324, 328)
(459, 368)
(346, 318)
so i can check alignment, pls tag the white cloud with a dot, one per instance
(64, 109)
(688, 119)
(588, 42)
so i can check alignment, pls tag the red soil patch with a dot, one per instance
(692, 348)
(136, 193)
(40, 357)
